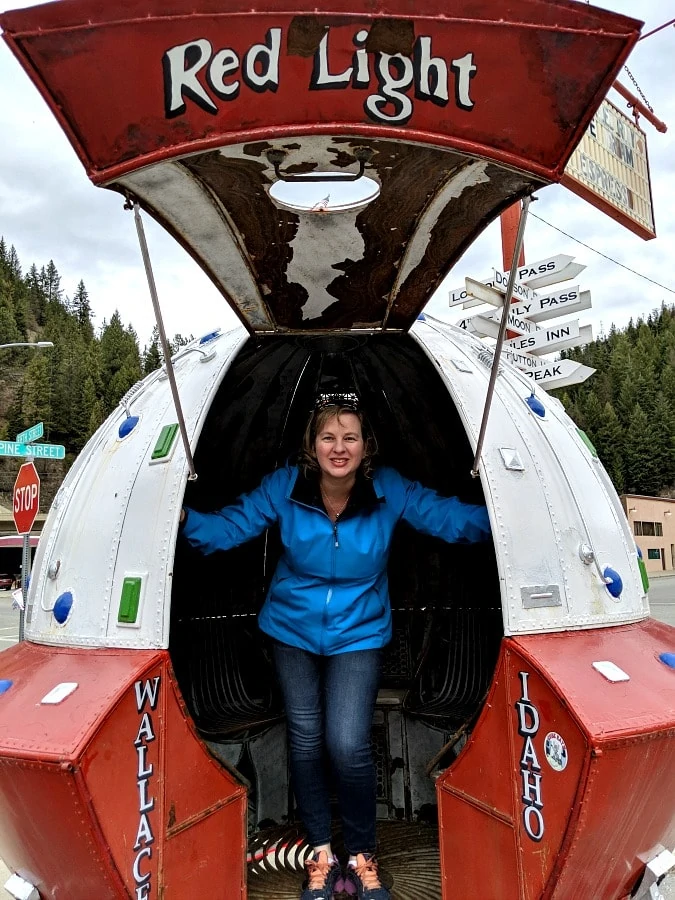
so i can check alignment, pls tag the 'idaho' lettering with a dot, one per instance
(530, 770)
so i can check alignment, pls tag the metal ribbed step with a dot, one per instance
(408, 854)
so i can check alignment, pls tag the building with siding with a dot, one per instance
(652, 521)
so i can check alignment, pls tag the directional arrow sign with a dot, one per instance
(485, 326)
(523, 360)
(548, 306)
(559, 374)
(585, 336)
(545, 339)
(498, 281)
(548, 271)
(487, 294)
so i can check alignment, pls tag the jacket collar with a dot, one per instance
(364, 495)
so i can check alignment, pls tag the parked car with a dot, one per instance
(6, 582)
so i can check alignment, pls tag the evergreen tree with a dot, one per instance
(609, 444)
(152, 355)
(642, 474)
(13, 264)
(9, 332)
(81, 309)
(52, 283)
(36, 393)
(35, 295)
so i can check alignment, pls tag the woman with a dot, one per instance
(328, 613)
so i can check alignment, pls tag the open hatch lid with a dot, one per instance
(454, 115)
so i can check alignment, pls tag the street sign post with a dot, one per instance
(528, 341)
(25, 507)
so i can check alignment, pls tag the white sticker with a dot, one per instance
(60, 692)
(555, 749)
(610, 670)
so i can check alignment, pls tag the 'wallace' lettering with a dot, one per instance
(200, 74)
(147, 694)
(530, 770)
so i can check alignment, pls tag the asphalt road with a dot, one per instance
(661, 598)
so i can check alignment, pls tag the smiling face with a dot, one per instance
(339, 446)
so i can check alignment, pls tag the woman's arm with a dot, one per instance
(444, 517)
(246, 518)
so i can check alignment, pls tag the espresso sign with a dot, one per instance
(610, 169)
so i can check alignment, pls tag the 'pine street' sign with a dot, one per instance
(36, 451)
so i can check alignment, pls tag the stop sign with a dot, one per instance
(26, 497)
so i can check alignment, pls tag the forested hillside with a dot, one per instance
(628, 407)
(73, 386)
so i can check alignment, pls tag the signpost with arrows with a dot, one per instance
(529, 341)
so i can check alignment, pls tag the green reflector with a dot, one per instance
(131, 594)
(165, 441)
(643, 575)
(589, 443)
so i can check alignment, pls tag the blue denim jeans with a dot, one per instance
(330, 702)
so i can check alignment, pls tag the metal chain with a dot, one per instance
(639, 90)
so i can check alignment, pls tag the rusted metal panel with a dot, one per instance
(115, 780)
(589, 765)
(125, 55)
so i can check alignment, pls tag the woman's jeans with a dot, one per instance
(330, 702)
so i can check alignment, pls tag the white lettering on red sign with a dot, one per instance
(25, 498)
(147, 694)
(399, 78)
(530, 770)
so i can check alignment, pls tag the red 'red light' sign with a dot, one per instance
(26, 498)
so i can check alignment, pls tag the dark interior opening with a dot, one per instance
(446, 601)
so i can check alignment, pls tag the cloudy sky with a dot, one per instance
(49, 210)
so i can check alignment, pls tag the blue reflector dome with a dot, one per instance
(128, 426)
(667, 658)
(211, 336)
(5, 685)
(536, 405)
(62, 607)
(615, 585)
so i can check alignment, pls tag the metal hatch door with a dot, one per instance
(197, 112)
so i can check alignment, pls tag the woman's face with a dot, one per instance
(339, 446)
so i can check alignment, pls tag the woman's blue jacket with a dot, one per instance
(329, 593)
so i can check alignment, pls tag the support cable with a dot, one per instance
(502, 333)
(166, 350)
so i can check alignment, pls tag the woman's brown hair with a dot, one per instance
(307, 457)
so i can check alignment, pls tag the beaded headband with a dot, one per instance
(349, 400)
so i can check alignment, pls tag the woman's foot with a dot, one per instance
(322, 877)
(363, 875)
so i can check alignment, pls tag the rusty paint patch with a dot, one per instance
(258, 149)
(361, 283)
(304, 35)
(391, 36)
